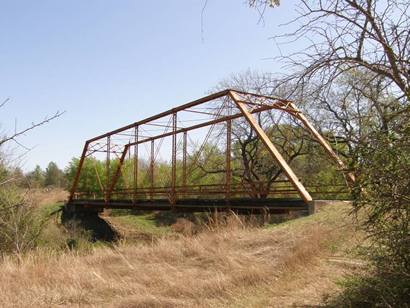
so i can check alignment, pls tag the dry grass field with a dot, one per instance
(292, 264)
(45, 196)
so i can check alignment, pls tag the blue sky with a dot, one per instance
(109, 63)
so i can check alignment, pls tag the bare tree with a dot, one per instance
(356, 72)
(19, 225)
(258, 168)
(372, 36)
(252, 163)
(21, 132)
(348, 112)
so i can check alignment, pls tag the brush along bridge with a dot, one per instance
(192, 158)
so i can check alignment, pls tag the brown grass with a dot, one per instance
(46, 196)
(229, 266)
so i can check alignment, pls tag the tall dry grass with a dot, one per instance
(209, 269)
(46, 196)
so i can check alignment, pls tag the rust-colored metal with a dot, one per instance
(230, 105)
(79, 168)
(184, 160)
(272, 149)
(151, 169)
(174, 159)
(205, 124)
(107, 170)
(117, 172)
(350, 176)
(163, 114)
(228, 170)
(135, 164)
(97, 175)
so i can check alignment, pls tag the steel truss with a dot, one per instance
(222, 107)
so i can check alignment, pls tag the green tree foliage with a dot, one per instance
(387, 189)
(54, 176)
(36, 178)
(263, 4)
(365, 42)
(20, 226)
(383, 200)
(251, 164)
(256, 166)
(92, 174)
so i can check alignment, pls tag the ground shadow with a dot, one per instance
(98, 228)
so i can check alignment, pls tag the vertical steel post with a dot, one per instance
(79, 168)
(107, 169)
(135, 186)
(151, 170)
(174, 158)
(228, 159)
(184, 166)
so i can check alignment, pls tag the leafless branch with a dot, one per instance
(33, 125)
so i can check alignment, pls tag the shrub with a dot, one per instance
(20, 226)
(384, 204)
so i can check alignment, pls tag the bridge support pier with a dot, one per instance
(88, 219)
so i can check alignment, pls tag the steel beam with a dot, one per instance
(242, 101)
(79, 168)
(135, 163)
(174, 158)
(117, 172)
(228, 159)
(350, 176)
(107, 170)
(208, 123)
(151, 169)
(272, 149)
(164, 114)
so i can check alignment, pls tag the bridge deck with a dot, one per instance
(240, 205)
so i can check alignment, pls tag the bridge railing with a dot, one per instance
(217, 191)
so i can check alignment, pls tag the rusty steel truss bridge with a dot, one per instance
(159, 163)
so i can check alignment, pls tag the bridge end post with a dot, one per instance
(311, 207)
